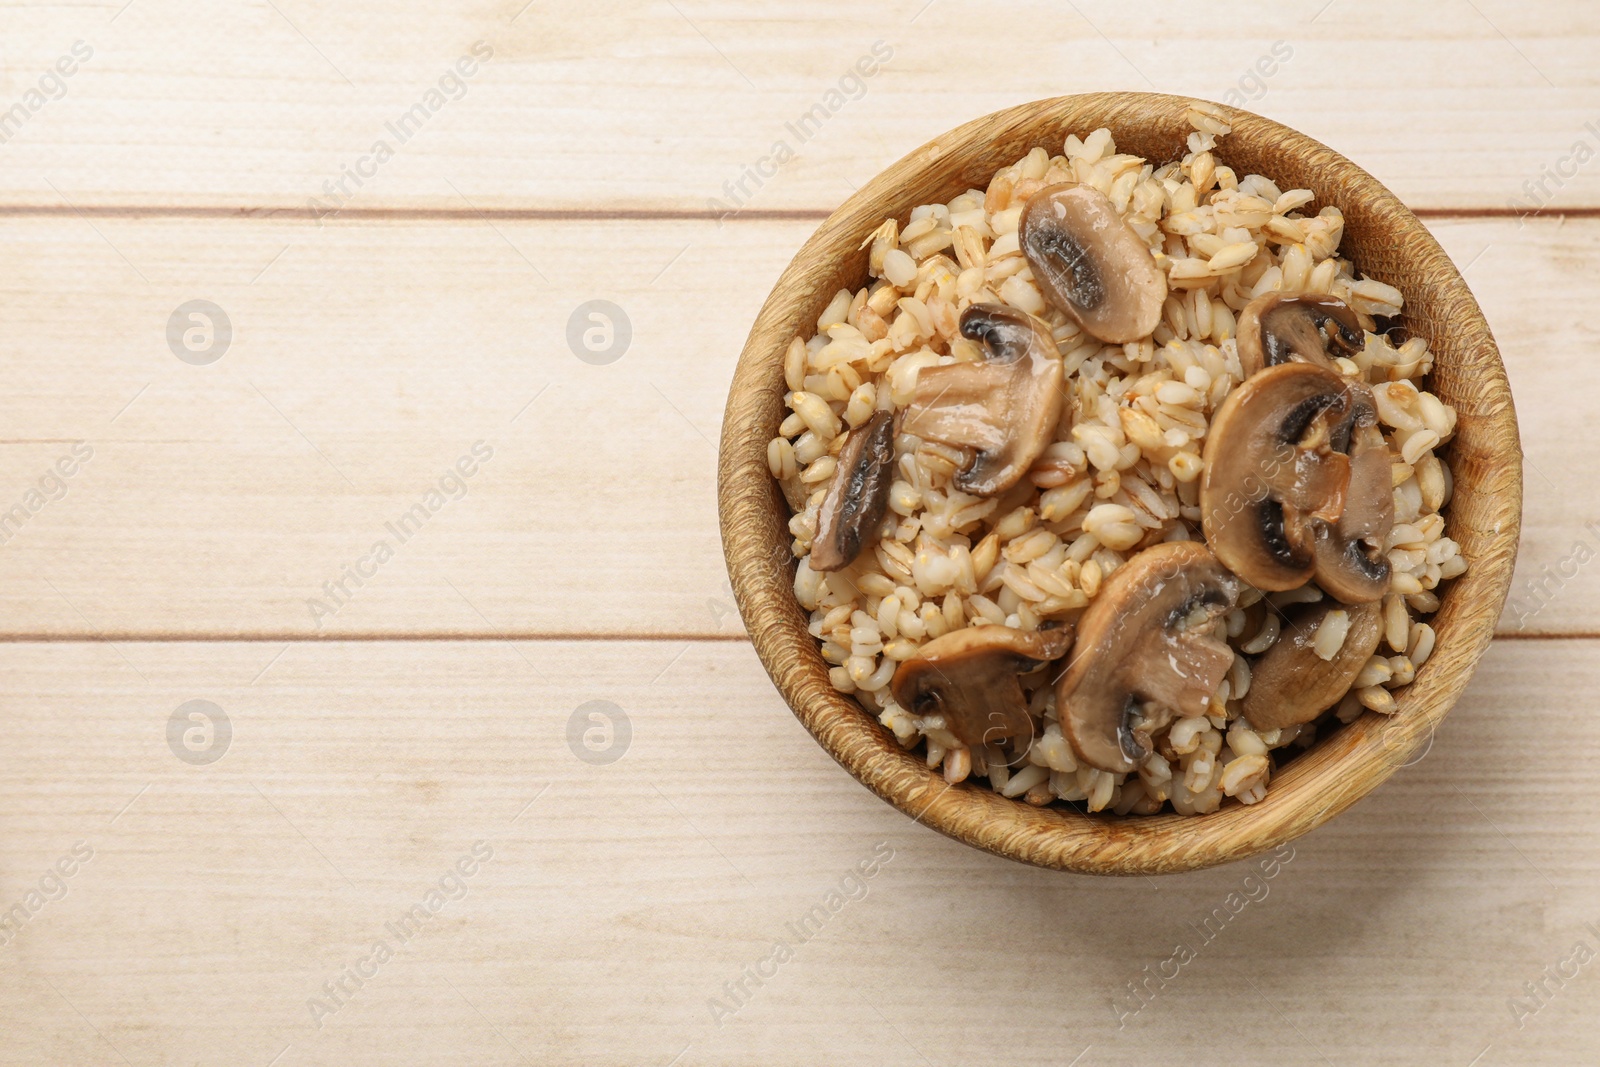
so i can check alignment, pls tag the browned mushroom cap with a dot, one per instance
(1295, 483)
(970, 677)
(1091, 264)
(1291, 683)
(857, 496)
(1296, 328)
(1004, 409)
(1145, 653)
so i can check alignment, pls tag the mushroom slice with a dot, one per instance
(1146, 653)
(1004, 408)
(1351, 564)
(970, 676)
(1295, 483)
(1296, 328)
(858, 495)
(1091, 264)
(1291, 683)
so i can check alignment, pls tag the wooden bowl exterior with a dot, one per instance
(1383, 239)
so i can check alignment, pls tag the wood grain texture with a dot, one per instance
(620, 902)
(1384, 240)
(179, 165)
(366, 361)
(393, 346)
(618, 105)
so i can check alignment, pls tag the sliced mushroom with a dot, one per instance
(1004, 408)
(1296, 328)
(1091, 264)
(970, 676)
(858, 495)
(1351, 564)
(1291, 683)
(1296, 484)
(1146, 653)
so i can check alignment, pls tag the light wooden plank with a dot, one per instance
(368, 358)
(611, 105)
(620, 898)
(1534, 284)
(366, 362)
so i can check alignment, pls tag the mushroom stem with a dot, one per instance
(970, 677)
(1004, 410)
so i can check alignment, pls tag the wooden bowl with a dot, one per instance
(1383, 239)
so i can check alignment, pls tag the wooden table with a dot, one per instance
(420, 746)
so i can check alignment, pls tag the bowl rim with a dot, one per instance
(1338, 769)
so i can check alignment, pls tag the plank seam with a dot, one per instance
(314, 639)
(552, 637)
(444, 214)
(425, 214)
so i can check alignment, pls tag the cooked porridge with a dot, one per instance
(1115, 484)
